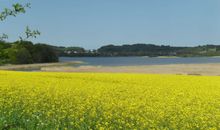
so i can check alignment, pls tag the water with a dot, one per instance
(135, 61)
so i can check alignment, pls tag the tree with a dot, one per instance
(3, 55)
(18, 54)
(44, 53)
(21, 51)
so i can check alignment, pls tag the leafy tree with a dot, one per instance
(23, 51)
(19, 55)
(14, 55)
(44, 53)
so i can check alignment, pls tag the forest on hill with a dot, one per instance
(150, 50)
(25, 52)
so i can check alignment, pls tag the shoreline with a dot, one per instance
(179, 69)
(38, 66)
(77, 66)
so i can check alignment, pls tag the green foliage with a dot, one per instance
(19, 55)
(3, 37)
(3, 54)
(43, 53)
(25, 52)
(16, 9)
(30, 34)
(20, 52)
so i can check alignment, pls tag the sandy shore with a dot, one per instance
(185, 69)
(38, 67)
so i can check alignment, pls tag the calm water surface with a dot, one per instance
(134, 61)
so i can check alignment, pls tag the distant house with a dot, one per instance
(71, 52)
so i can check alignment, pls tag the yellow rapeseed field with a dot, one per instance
(39, 100)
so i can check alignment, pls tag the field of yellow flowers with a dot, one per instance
(39, 100)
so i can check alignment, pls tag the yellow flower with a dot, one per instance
(41, 100)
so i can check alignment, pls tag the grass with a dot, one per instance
(40, 100)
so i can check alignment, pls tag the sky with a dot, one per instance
(94, 23)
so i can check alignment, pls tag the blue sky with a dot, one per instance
(93, 23)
